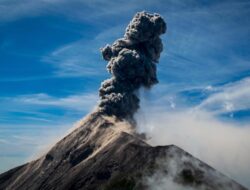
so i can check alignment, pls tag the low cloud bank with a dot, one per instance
(223, 145)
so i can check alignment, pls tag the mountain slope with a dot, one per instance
(106, 154)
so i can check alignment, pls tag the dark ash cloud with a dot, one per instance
(132, 63)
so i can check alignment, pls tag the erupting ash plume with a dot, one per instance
(132, 63)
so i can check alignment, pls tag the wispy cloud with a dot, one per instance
(13, 10)
(44, 109)
(20, 143)
(220, 100)
(93, 9)
(229, 98)
(3, 141)
(79, 102)
(83, 58)
(73, 101)
(204, 43)
(197, 37)
(32, 123)
(79, 58)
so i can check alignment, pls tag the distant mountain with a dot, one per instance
(105, 154)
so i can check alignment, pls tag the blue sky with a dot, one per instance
(51, 67)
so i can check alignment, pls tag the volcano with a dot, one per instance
(105, 152)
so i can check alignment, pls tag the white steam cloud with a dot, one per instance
(223, 145)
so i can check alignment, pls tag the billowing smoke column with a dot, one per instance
(132, 63)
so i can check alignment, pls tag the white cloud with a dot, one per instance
(12, 10)
(202, 48)
(80, 58)
(21, 146)
(197, 129)
(83, 57)
(44, 109)
(229, 98)
(222, 145)
(112, 33)
(77, 102)
(3, 141)
(86, 10)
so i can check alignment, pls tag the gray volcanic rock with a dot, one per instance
(105, 154)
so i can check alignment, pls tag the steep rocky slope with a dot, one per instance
(104, 154)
